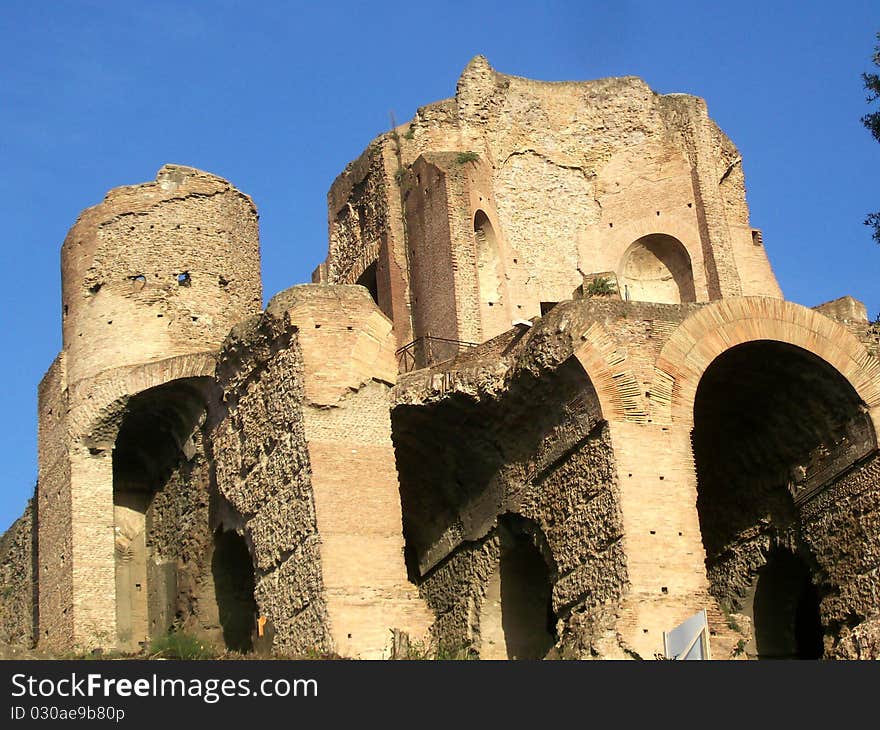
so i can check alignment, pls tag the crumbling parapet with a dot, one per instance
(494, 205)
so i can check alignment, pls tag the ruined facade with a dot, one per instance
(544, 398)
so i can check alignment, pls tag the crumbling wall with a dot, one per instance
(157, 267)
(575, 172)
(841, 526)
(18, 581)
(348, 367)
(53, 506)
(366, 228)
(263, 471)
(180, 522)
(533, 445)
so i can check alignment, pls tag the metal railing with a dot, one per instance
(428, 350)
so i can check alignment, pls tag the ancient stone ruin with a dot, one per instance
(544, 398)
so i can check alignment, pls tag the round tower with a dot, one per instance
(157, 270)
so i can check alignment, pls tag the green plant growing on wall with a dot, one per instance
(399, 176)
(410, 133)
(465, 157)
(600, 287)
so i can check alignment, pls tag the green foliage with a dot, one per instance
(873, 220)
(179, 645)
(872, 123)
(410, 133)
(740, 648)
(399, 176)
(600, 287)
(465, 157)
(419, 651)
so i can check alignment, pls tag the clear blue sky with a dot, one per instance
(278, 97)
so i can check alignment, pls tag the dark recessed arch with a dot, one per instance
(774, 425)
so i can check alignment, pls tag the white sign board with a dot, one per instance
(689, 640)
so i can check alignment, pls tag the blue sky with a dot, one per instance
(278, 97)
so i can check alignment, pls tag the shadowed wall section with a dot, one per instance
(774, 426)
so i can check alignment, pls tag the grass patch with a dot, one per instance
(179, 645)
(465, 157)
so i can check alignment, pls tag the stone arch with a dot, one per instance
(781, 405)
(94, 417)
(491, 279)
(157, 434)
(657, 268)
(785, 609)
(608, 369)
(232, 569)
(723, 324)
(516, 615)
(611, 253)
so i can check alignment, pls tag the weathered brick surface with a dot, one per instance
(571, 175)
(262, 470)
(654, 445)
(18, 581)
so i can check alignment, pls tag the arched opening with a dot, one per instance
(657, 268)
(517, 619)
(490, 277)
(233, 573)
(369, 280)
(774, 425)
(155, 435)
(786, 610)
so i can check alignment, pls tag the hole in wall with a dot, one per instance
(517, 619)
(370, 281)
(786, 610)
(233, 572)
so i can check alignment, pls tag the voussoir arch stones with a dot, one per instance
(607, 366)
(726, 323)
(95, 406)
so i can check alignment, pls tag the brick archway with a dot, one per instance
(724, 324)
(95, 416)
(608, 368)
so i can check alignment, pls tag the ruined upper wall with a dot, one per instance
(571, 176)
(157, 270)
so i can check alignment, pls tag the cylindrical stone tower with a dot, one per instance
(153, 279)
(157, 270)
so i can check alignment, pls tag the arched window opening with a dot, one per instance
(487, 259)
(233, 572)
(517, 619)
(490, 278)
(786, 610)
(657, 268)
(369, 280)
